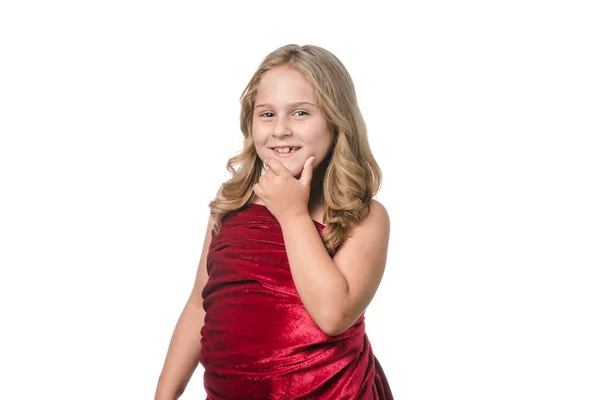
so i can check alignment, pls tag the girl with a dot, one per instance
(295, 247)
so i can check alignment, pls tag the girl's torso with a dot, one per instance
(258, 340)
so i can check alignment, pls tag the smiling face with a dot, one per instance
(285, 115)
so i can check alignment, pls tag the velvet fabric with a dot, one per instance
(258, 340)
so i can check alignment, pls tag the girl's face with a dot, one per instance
(285, 115)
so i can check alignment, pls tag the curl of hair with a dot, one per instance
(352, 176)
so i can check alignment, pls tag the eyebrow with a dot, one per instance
(290, 105)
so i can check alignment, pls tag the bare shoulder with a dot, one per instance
(379, 212)
(370, 236)
(377, 221)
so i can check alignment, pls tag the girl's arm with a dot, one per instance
(336, 291)
(184, 350)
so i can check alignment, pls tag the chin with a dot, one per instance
(289, 164)
(294, 166)
(295, 170)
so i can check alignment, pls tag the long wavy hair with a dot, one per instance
(351, 175)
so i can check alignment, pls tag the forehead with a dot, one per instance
(282, 83)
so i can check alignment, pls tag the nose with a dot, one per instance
(281, 128)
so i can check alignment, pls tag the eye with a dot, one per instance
(270, 114)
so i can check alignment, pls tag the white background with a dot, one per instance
(117, 119)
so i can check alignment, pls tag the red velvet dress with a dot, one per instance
(258, 340)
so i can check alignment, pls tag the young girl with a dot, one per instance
(295, 247)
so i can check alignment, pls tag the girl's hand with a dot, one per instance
(285, 196)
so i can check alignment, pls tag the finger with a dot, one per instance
(276, 167)
(266, 178)
(307, 171)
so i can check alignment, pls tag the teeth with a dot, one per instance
(286, 149)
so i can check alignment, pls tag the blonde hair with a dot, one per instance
(352, 176)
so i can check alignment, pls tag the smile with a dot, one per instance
(285, 151)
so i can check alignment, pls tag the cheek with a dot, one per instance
(326, 142)
(257, 135)
(256, 128)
